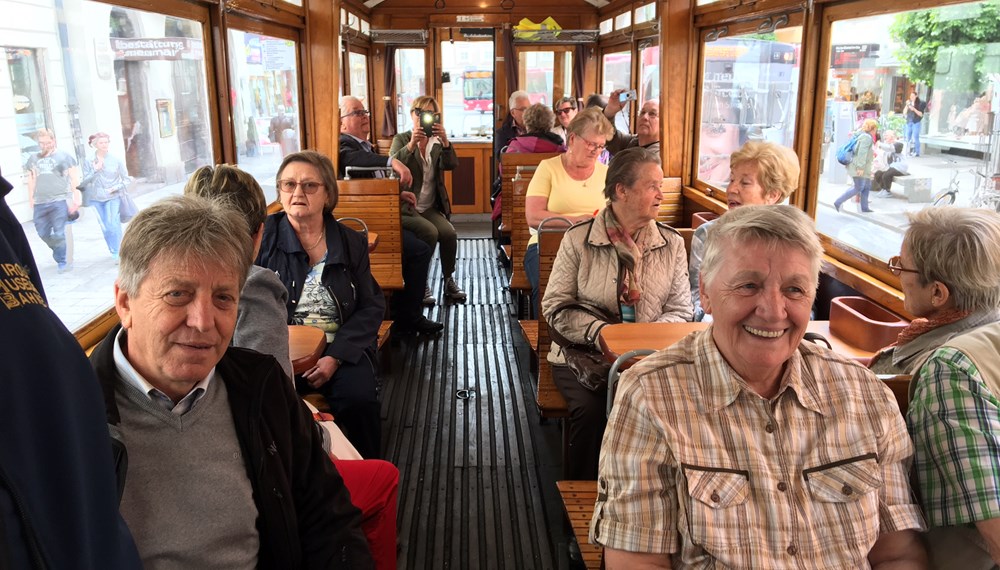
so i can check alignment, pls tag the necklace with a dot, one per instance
(313, 246)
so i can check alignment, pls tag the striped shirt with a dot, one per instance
(954, 419)
(697, 465)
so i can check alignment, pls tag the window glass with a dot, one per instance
(606, 26)
(365, 27)
(645, 13)
(623, 20)
(411, 83)
(137, 77)
(749, 92)
(264, 76)
(359, 76)
(536, 75)
(950, 59)
(293, 2)
(649, 71)
(617, 73)
(467, 111)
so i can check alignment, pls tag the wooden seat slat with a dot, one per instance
(578, 500)
(376, 201)
(551, 403)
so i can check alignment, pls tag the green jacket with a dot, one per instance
(864, 155)
(442, 159)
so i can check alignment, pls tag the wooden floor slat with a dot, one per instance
(477, 474)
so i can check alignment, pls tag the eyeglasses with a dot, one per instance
(308, 186)
(652, 114)
(518, 108)
(358, 113)
(592, 147)
(564, 111)
(418, 111)
(895, 266)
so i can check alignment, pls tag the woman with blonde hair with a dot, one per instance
(761, 173)
(104, 179)
(861, 167)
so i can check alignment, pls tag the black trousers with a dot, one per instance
(352, 394)
(587, 420)
(406, 304)
(882, 179)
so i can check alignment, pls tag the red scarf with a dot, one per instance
(920, 326)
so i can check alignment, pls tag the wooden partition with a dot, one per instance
(376, 201)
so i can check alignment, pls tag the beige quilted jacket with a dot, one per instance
(586, 270)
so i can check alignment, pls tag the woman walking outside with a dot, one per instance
(861, 167)
(104, 179)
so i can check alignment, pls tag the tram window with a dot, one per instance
(649, 72)
(749, 91)
(954, 146)
(606, 26)
(645, 13)
(358, 63)
(468, 96)
(410, 83)
(264, 76)
(617, 73)
(623, 20)
(545, 75)
(137, 76)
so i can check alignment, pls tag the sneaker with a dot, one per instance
(429, 300)
(883, 194)
(64, 267)
(836, 206)
(452, 291)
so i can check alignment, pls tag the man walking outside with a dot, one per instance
(52, 180)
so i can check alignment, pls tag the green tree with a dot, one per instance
(960, 31)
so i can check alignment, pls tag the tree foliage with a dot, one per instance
(961, 32)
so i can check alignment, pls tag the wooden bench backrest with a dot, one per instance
(376, 201)
(900, 386)
(671, 208)
(512, 208)
(519, 234)
(688, 235)
(550, 400)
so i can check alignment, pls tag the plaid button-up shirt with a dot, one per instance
(696, 464)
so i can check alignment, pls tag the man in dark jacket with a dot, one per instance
(220, 463)
(58, 507)
(355, 150)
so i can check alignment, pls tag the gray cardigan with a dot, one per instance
(261, 317)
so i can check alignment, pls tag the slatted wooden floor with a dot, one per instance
(477, 469)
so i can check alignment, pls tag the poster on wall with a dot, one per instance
(165, 117)
(251, 45)
(279, 55)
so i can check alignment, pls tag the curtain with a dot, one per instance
(510, 59)
(389, 104)
(579, 69)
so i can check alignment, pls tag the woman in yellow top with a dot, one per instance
(570, 185)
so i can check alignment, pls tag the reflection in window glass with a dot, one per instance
(617, 73)
(359, 76)
(410, 83)
(365, 27)
(100, 75)
(293, 2)
(945, 132)
(468, 98)
(623, 20)
(645, 13)
(264, 76)
(536, 74)
(749, 92)
(606, 27)
(649, 71)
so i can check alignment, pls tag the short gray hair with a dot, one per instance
(772, 226)
(959, 247)
(184, 227)
(624, 169)
(512, 101)
(538, 118)
(345, 100)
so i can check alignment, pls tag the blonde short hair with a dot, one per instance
(234, 187)
(591, 121)
(777, 166)
(959, 247)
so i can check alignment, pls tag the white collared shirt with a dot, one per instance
(155, 395)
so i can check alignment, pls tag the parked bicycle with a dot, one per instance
(948, 196)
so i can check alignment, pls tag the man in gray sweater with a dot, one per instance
(224, 468)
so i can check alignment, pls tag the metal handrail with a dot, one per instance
(383, 169)
(613, 373)
(364, 226)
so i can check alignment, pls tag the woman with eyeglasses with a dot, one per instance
(325, 268)
(565, 110)
(570, 185)
(949, 270)
(426, 209)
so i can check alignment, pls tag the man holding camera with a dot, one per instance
(647, 126)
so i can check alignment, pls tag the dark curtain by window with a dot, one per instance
(389, 104)
(510, 61)
(579, 68)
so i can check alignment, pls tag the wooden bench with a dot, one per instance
(529, 329)
(671, 207)
(517, 172)
(384, 332)
(376, 201)
(578, 499)
(508, 169)
(551, 403)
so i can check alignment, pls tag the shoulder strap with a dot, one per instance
(599, 313)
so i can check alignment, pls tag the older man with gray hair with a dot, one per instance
(743, 447)
(513, 125)
(223, 466)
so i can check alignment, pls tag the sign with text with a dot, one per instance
(150, 49)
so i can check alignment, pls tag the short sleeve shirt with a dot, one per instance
(565, 195)
(697, 465)
(52, 182)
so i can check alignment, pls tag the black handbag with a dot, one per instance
(587, 363)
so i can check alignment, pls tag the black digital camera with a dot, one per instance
(427, 120)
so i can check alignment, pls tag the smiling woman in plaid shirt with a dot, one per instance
(950, 274)
(743, 447)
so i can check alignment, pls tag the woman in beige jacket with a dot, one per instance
(624, 263)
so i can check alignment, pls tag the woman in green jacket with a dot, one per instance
(861, 167)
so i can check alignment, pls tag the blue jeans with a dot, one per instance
(862, 185)
(534, 276)
(911, 132)
(50, 223)
(111, 224)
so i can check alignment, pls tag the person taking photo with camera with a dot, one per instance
(647, 125)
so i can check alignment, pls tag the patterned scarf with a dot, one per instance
(920, 326)
(629, 257)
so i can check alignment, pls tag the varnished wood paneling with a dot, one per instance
(323, 71)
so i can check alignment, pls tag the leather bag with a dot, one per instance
(587, 363)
